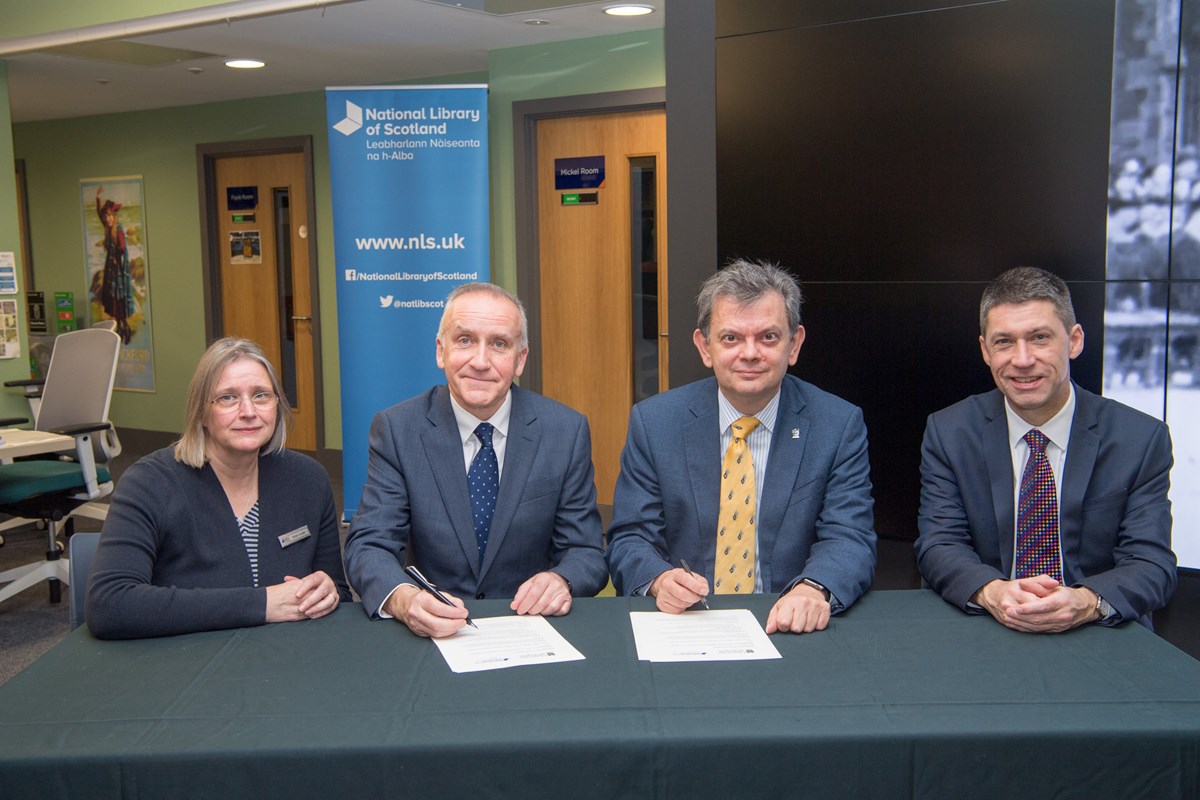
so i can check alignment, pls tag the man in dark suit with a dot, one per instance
(788, 508)
(487, 488)
(1086, 539)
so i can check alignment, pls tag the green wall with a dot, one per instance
(161, 146)
(12, 404)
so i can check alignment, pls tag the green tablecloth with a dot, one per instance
(902, 697)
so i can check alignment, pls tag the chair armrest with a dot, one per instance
(26, 382)
(7, 421)
(82, 427)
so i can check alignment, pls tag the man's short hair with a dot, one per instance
(495, 291)
(1024, 285)
(745, 282)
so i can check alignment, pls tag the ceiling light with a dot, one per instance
(244, 63)
(629, 10)
(537, 21)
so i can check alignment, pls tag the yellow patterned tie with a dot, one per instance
(734, 569)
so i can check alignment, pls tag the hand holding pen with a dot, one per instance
(425, 609)
(688, 570)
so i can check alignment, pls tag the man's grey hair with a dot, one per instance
(745, 282)
(495, 291)
(1024, 285)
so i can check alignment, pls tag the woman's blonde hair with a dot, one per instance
(219, 355)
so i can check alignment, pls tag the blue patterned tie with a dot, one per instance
(1037, 515)
(483, 481)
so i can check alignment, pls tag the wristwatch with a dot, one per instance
(810, 582)
(1103, 609)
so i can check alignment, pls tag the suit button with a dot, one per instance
(480, 596)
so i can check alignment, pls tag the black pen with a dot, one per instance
(424, 583)
(688, 570)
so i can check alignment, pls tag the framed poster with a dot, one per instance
(118, 272)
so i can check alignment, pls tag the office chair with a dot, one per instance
(75, 403)
(107, 446)
(80, 549)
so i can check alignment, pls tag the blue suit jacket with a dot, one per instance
(1114, 517)
(415, 508)
(815, 519)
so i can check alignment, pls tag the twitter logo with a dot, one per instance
(385, 301)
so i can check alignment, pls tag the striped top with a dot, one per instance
(248, 525)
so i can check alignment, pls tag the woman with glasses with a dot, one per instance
(226, 528)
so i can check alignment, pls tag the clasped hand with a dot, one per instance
(310, 597)
(1037, 605)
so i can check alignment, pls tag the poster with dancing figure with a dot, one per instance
(118, 273)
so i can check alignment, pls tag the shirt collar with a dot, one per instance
(1057, 429)
(765, 417)
(468, 422)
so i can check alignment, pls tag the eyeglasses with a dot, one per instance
(228, 402)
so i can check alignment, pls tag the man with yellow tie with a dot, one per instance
(756, 480)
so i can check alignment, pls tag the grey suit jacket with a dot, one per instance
(415, 508)
(1114, 516)
(815, 519)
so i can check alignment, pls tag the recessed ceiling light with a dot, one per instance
(244, 63)
(629, 10)
(537, 21)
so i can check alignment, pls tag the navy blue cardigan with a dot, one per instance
(171, 558)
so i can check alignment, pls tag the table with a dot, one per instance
(18, 442)
(903, 696)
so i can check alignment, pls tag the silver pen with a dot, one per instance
(688, 570)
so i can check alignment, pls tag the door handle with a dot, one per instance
(301, 319)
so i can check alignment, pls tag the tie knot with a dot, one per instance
(484, 431)
(744, 426)
(1036, 440)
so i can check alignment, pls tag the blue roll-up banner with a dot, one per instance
(409, 174)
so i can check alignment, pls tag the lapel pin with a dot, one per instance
(795, 433)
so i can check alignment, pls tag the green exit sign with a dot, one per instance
(580, 198)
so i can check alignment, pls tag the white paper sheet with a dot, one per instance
(502, 642)
(725, 635)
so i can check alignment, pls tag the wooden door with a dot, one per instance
(603, 274)
(264, 273)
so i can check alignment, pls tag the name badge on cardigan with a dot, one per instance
(291, 537)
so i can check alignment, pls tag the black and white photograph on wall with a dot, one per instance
(1152, 315)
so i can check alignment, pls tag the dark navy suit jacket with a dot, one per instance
(1114, 516)
(415, 508)
(815, 519)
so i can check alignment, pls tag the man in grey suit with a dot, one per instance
(788, 508)
(1095, 546)
(486, 487)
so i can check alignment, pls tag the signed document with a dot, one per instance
(506, 642)
(732, 635)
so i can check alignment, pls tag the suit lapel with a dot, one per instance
(524, 437)
(444, 452)
(1077, 473)
(998, 456)
(702, 449)
(783, 465)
